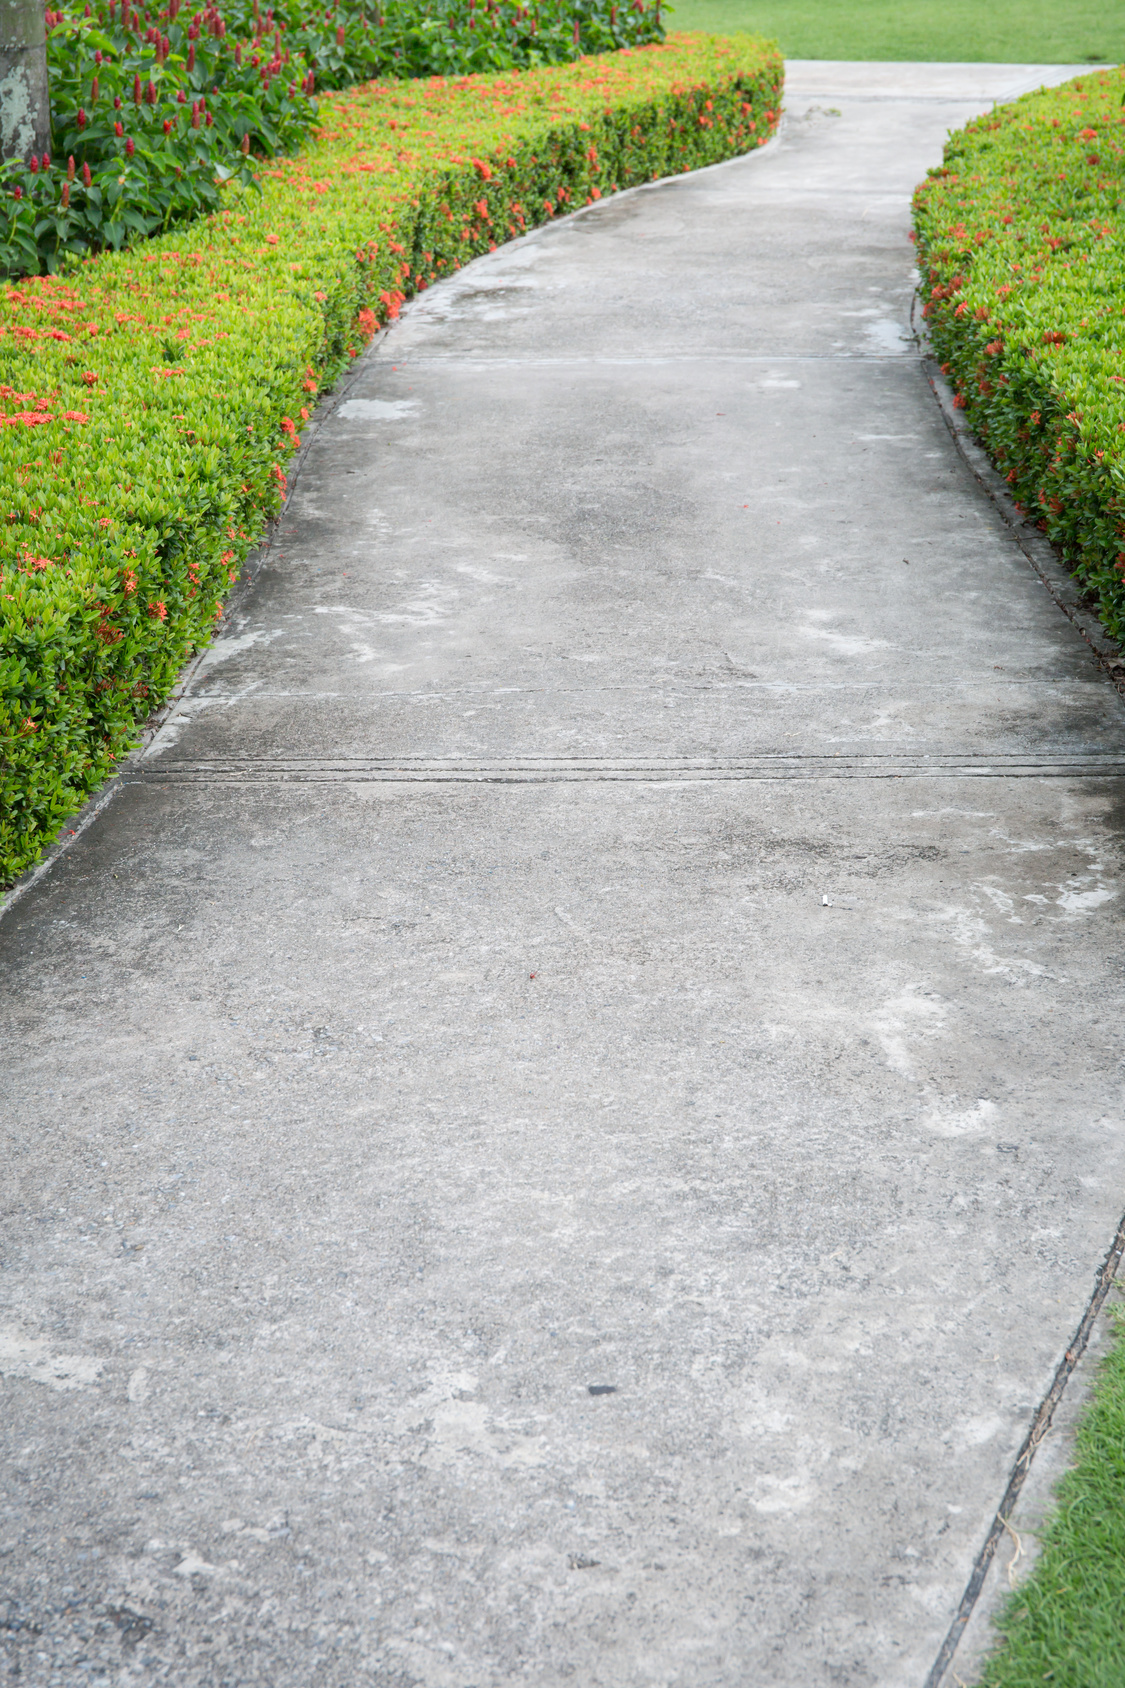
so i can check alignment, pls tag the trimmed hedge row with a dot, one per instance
(151, 398)
(152, 111)
(1021, 241)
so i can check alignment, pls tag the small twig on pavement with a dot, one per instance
(1019, 1548)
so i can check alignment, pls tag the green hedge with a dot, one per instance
(152, 111)
(151, 398)
(1021, 241)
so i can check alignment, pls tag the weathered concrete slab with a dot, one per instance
(560, 1126)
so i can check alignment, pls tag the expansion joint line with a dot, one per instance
(1040, 1425)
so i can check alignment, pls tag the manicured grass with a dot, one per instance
(1066, 1624)
(1007, 31)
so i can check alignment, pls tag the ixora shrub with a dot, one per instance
(150, 399)
(1021, 240)
(151, 111)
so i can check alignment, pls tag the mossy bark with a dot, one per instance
(25, 109)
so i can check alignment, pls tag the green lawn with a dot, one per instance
(1066, 1625)
(1005, 31)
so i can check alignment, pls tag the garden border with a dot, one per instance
(1038, 550)
(100, 621)
(1018, 233)
(1065, 590)
(84, 817)
(76, 824)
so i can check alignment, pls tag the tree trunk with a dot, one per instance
(25, 110)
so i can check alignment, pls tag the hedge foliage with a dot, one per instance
(152, 111)
(1021, 240)
(152, 398)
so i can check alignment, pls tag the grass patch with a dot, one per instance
(1021, 242)
(1066, 1624)
(151, 398)
(1008, 31)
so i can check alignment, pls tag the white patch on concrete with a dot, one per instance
(176, 724)
(975, 1432)
(485, 577)
(223, 649)
(969, 814)
(880, 722)
(191, 1565)
(442, 1387)
(968, 930)
(431, 1667)
(325, 1440)
(375, 410)
(888, 336)
(902, 1017)
(1021, 846)
(1080, 902)
(433, 601)
(453, 1428)
(138, 1386)
(766, 1421)
(1000, 900)
(783, 1494)
(381, 791)
(30, 1357)
(845, 644)
(944, 1121)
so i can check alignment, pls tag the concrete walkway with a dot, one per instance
(561, 1125)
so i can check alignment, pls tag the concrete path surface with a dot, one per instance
(561, 1123)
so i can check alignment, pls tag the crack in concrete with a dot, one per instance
(1040, 1425)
